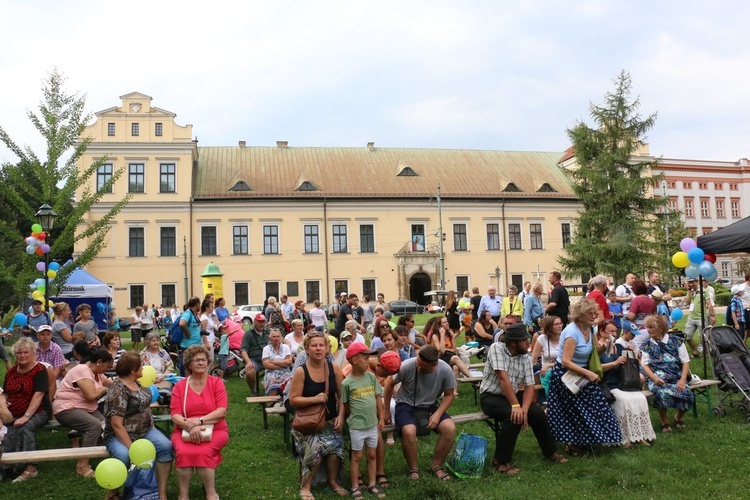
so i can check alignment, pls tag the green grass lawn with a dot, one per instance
(708, 458)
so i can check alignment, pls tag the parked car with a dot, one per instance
(246, 314)
(401, 307)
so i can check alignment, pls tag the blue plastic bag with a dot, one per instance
(468, 457)
(141, 484)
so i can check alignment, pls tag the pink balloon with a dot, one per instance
(687, 244)
(45, 248)
(40, 266)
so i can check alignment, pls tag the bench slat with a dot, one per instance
(263, 399)
(50, 455)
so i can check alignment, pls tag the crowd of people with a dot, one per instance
(365, 374)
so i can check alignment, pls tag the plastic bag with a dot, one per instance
(141, 484)
(468, 457)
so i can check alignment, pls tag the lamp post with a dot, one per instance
(46, 217)
(497, 276)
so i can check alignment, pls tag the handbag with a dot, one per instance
(141, 484)
(607, 393)
(421, 415)
(208, 431)
(629, 378)
(312, 418)
(595, 364)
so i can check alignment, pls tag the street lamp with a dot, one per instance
(46, 217)
(497, 275)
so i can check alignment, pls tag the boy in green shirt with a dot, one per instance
(362, 403)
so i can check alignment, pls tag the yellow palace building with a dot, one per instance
(310, 222)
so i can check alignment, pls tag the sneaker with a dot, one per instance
(253, 394)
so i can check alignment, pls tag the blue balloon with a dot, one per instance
(711, 277)
(39, 282)
(100, 307)
(692, 271)
(696, 255)
(706, 268)
(676, 314)
(54, 266)
(154, 393)
(19, 319)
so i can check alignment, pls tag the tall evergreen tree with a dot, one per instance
(613, 233)
(51, 179)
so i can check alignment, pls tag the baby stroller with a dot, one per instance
(235, 363)
(731, 361)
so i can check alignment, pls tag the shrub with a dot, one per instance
(723, 299)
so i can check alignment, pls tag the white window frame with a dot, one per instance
(145, 239)
(541, 223)
(346, 226)
(304, 244)
(508, 222)
(263, 238)
(499, 224)
(374, 235)
(200, 236)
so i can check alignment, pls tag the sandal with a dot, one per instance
(375, 491)
(25, 475)
(574, 451)
(88, 474)
(356, 493)
(304, 496)
(390, 441)
(441, 477)
(340, 491)
(383, 481)
(666, 427)
(556, 459)
(507, 470)
(680, 424)
(412, 473)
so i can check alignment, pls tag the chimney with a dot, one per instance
(371, 146)
(242, 144)
(743, 162)
(282, 144)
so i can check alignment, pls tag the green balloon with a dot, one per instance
(142, 452)
(111, 474)
(36, 228)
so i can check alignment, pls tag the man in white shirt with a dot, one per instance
(625, 293)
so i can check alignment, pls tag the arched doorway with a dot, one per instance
(418, 285)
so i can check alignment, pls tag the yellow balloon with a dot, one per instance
(334, 344)
(37, 295)
(142, 452)
(148, 377)
(680, 259)
(51, 274)
(111, 473)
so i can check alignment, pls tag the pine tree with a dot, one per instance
(33, 181)
(613, 234)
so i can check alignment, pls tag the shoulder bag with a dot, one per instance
(629, 378)
(208, 433)
(421, 415)
(312, 418)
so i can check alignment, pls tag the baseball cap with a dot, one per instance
(260, 317)
(346, 335)
(390, 361)
(44, 328)
(736, 289)
(657, 294)
(358, 348)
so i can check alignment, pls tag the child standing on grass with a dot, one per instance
(362, 403)
(615, 309)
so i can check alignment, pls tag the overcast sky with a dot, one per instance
(424, 74)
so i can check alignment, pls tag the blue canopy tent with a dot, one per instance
(82, 287)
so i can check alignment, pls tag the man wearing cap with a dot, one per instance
(253, 342)
(507, 394)
(423, 379)
(697, 309)
(736, 311)
(35, 319)
(49, 352)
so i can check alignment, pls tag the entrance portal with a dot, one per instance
(418, 285)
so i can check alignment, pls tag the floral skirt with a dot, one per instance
(275, 379)
(581, 419)
(312, 448)
(667, 395)
(631, 410)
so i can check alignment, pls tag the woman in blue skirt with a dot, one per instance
(582, 419)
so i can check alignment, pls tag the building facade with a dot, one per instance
(313, 222)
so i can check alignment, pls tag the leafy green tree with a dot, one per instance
(613, 234)
(51, 179)
(667, 230)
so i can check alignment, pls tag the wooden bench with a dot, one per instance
(476, 366)
(264, 401)
(52, 455)
(457, 419)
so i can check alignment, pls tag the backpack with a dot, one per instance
(175, 333)
(275, 320)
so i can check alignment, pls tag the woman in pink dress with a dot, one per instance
(205, 404)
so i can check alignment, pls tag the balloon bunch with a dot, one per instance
(111, 473)
(695, 261)
(35, 244)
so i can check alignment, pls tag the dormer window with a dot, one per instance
(511, 188)
(407, 171)
(546, 188)
(240, 186)
(307, 186)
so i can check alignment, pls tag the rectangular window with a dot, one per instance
(368, 288)
(459, 238)
(367, 238)
(672, 204)
(735, 206)
(136, 242)
(312, 238)
(103, 174)
(517, 281)
(339, 238)
(241, 293)
(340, 286)
(493, 236)
(733, 186)
(134, 129)
(166, 178)
(158, 129)
(110, 129)
(292, 288)
(270, 240)
(168, 295)
(273, 289)
(168, 242)
(312, 291)
(688, 208)
(719, 208)
(417, 238)
(565, 228)
(514, 236)
(208, 240)
(136, 174)
(719, 186)
(239, 240)
(535, 232)
(704, 209)
(671, 184)
(137, 296)
(702, 185)
(725, 269)
(462, 285)
(687, 185)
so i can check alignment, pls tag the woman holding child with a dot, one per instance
(308, 387)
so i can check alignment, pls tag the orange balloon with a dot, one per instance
(38, 251)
